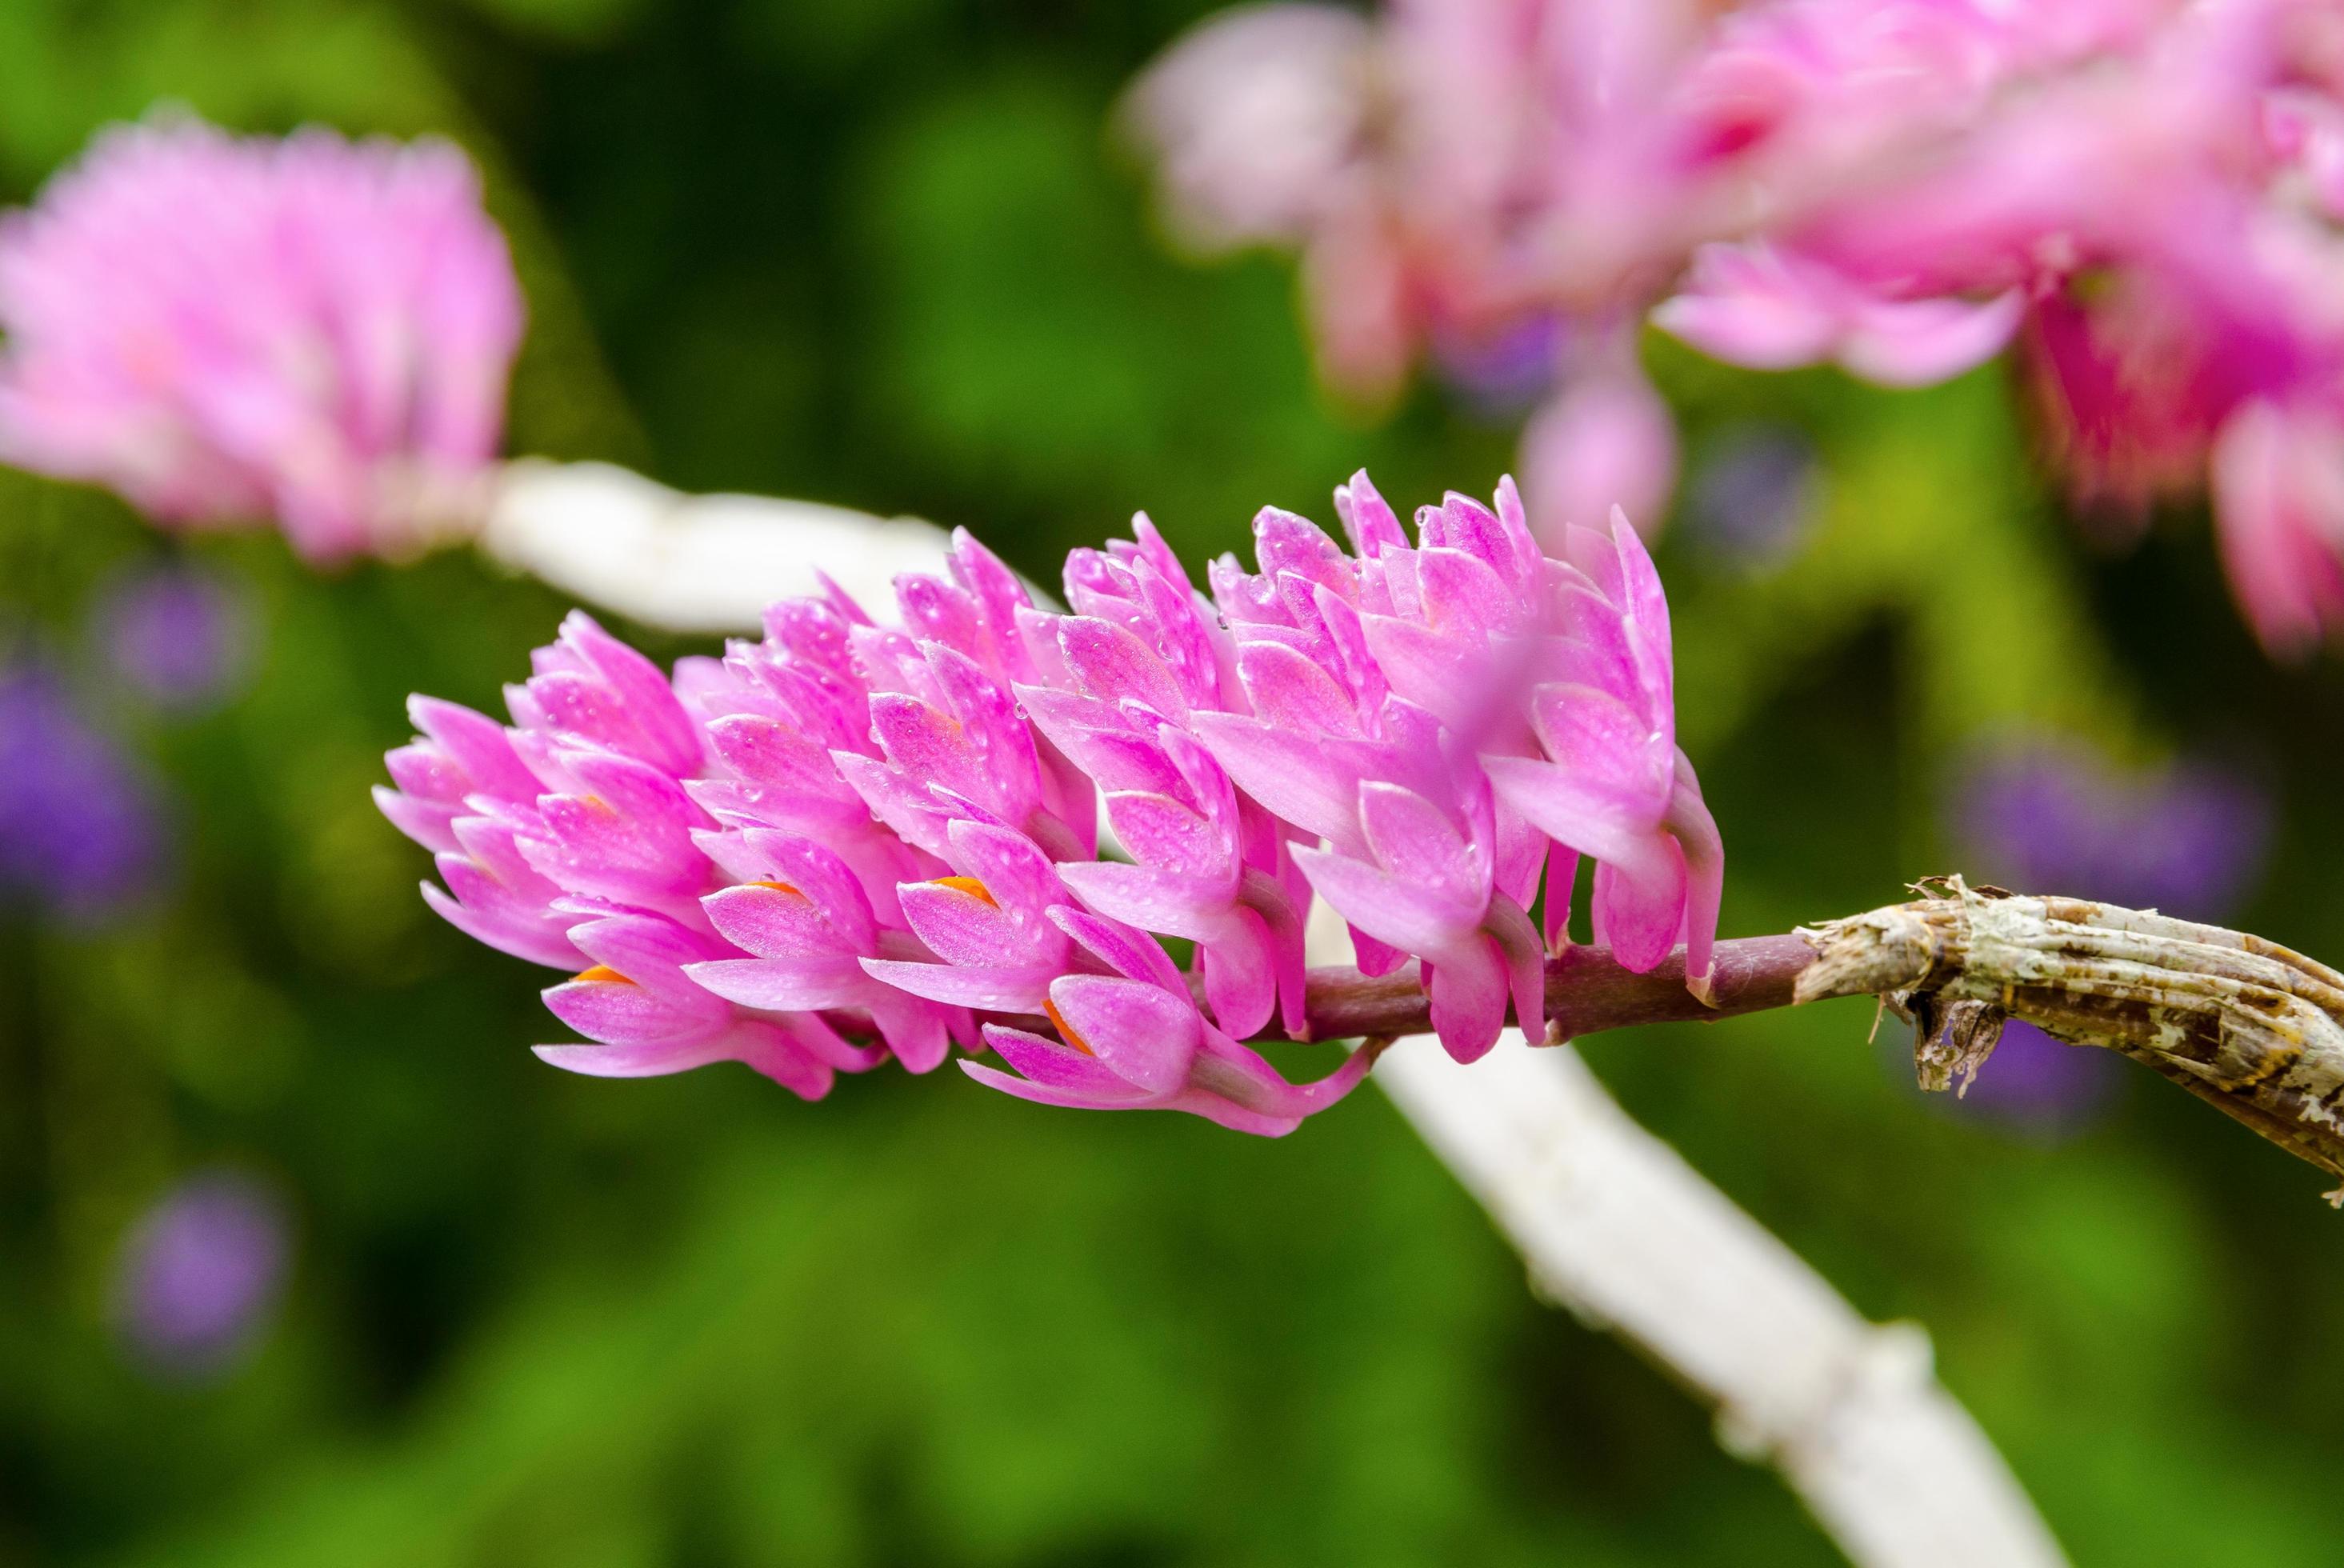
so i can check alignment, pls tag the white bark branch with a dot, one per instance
(1613, 1224)
(691, 562)
(1611, 1220)
(1616, 1225)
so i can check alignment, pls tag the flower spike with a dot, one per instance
(851, 842)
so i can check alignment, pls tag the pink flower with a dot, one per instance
(1610, 781)
(1604, 440)
(1131, 1039)
(990, 921)
(2141, 194)
(227, 329)
(1773, 311)
(649, 1010)
(843, 843)
(2278, 482)
(1259, 117)
(1420, 886)
(573, 838)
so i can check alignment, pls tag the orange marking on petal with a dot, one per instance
(602, 975)
(779, 887)
(1065, 1030)
(970, 886)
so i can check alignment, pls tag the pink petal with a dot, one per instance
(785, 985)
(622, 1013)
(915, 1032)
(2278, 490)
(1705, 858)
(1524, 957)
(1290, 692)
(925, 745)
(650, 1060)
(1368, 519)
(1289, 773)
(524, 931)
(1004, 988)
(1415, 840)
(903, 806)
(1606, 746)
(1463, 597)
(1561, 871)
(1747, 308)
(1578, 813)
(649, 697)
(1468, 991)
(802, 1056)
(1639, 906)
(1130, 952)
(1240, 976)
(1920, 342)
(650, 949)
(775, 923)
(1429, 668)
(1604, 441)
(1055, 1073)
(1112, 665)
(1285, 542)
(1644, 616)
(961, 926)
(1174, 902)
(1384, 907)
(428, 823)
(477, 744)
(1146, 1035)
(1162, 833)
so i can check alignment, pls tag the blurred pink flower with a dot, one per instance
(843, 843)
(1261, 118)
(2278, 482)
(236, 330)
(1604, 440)
(2140, 194)
(1770, 310)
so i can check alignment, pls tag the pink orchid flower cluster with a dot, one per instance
(228, 330)
(2141, 197)
(849, 841)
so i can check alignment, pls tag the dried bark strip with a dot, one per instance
(2244, 1024)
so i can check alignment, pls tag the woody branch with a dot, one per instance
(2248, 1025)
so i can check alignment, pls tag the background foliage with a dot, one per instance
(883, 254)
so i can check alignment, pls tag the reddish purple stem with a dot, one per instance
(1587, 991)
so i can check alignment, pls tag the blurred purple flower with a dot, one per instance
(2188, 839)
(180, 638)
(2191, 839)
(1752, 497)
(201, 1273)
(1504, 373)
(2040, 1083)
(80, 826)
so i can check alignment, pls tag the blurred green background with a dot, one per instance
(883, 253)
